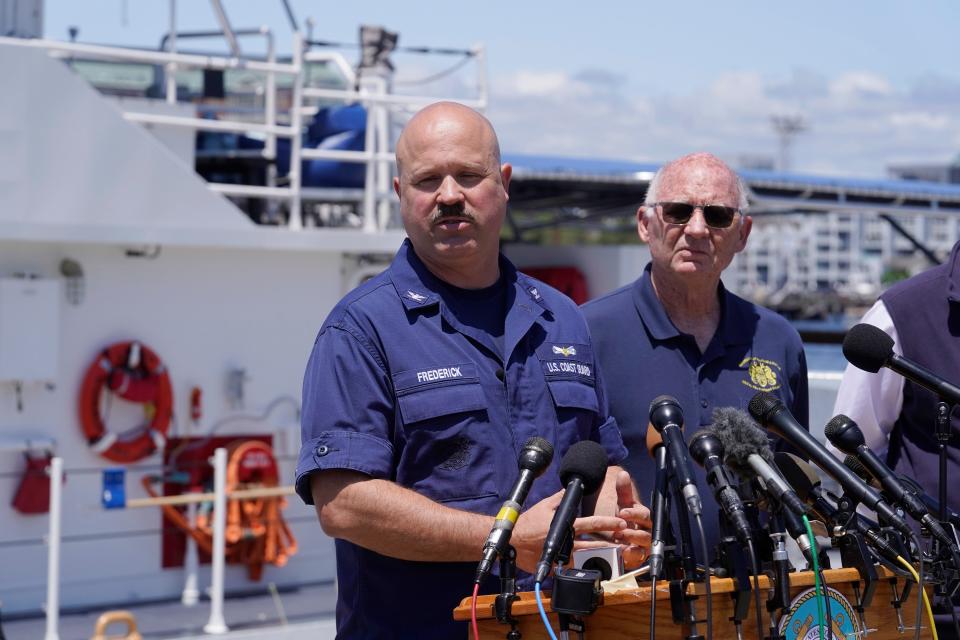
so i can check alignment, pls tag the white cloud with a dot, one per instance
(860, 83)
(529, 83)
(920, 120)
(858, 122)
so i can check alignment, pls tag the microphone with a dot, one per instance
(805, 480)
(770, 412)
(868, 348)
(666, 416)
(582, 471)
(535, 457)
(846, 436)
(851, 462)
(748, 453)
(659, 502)
(909, 483)
(707, 450)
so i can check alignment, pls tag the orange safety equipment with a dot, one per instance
(131, 371)
(256, 533)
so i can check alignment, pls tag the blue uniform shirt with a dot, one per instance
(399, 388)
(643, 355)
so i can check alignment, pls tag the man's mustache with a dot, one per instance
(457, 211)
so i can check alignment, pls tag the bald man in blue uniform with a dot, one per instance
(676, 330)
(425, 383)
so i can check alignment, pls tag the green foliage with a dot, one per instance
(893, 275)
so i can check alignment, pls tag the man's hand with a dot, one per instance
(532, 526)
(635, 539)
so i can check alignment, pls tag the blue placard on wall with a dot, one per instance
(114, 495)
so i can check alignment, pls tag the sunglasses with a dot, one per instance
(715, 215)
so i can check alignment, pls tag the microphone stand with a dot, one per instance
(945, 568)
(681, 602)
(567, 621)
(503, 604)
(779, 599)
(736, 566)
(854, 552)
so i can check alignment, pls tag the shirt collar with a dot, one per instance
(418, 288)
(734, 327)
(651, 310)
(953, 275)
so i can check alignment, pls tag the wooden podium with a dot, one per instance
(625, 614)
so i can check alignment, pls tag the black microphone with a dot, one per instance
(770, 412)
(909, 483)
(658, 515)
(869, 348)
(798, 531)
(707, 450)
(582, 471)
(748, 453)
(666, 416)
(931, 503)
(535, 457)
(805, 480)
(846, 436)
(851, 462)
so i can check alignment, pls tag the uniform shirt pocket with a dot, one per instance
(440, 401)
(446, 453)
(432, 392)
(577, 407)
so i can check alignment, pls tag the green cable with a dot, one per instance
(816, 573)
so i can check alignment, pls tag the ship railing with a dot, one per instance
(369, 88)
(373, 93)
(173, 60)
(216, 623)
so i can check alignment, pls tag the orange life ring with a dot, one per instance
(133, 372)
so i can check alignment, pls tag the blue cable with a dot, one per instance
(821, 601)
(543, 614)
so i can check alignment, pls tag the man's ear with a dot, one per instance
(396, 185)
(506, 172)
(643, 222)
(744, 232)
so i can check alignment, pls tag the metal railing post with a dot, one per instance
(481, 55)
(382, 119)
(53, 550)
(171, 67)
(191, 563)
(216, 623)
(296, 142)
(270, 110)
(270, 119)
(369, 85)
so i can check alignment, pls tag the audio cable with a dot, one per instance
(756, 587)
(543, 614)
(706, 564)
(653, 606)
(816, 574)
(473, 611)
(923, 594)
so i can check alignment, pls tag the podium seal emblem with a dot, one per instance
(800, 621)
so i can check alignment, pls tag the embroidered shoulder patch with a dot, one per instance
(762, 375)
(456, 454)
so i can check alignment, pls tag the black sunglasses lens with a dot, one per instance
(719, 216)
(676, 212)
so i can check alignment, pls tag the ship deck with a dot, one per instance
(302, 612)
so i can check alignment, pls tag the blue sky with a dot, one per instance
(877, 82)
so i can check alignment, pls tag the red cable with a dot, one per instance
(473, 611)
